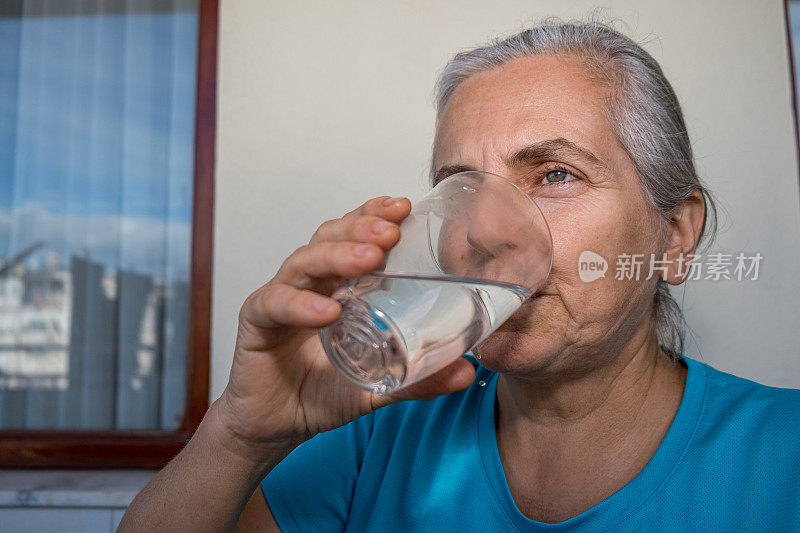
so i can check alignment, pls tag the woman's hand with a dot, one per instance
(282, 389)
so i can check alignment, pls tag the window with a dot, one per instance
(106, 161)
(792, 14)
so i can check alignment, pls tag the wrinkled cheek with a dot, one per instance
(588, 250)
(583, 274)
(535, 333)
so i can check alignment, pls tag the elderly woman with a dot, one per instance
(582, 415)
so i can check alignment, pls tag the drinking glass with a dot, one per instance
(470, 253)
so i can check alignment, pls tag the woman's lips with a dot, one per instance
(533, 299)
(522, 315)
(529, 302)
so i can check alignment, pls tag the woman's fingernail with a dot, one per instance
(360, 249)
(321, 304)
(380, 226)
(390, 201)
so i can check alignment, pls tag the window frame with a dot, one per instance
(792, 76)
(25, 448)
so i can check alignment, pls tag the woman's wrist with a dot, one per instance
(245, 452)
(214, 476)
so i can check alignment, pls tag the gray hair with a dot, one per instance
(643, 110)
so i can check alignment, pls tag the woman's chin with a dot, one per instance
(511, 351)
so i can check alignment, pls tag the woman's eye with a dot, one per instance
(557, 176)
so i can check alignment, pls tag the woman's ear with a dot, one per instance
(683, 234)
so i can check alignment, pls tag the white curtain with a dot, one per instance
(96, 163)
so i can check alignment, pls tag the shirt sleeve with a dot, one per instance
(311, 489)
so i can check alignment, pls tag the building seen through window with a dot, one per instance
(97, 114)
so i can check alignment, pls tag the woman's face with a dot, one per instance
(540, 121)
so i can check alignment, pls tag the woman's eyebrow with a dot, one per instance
(559, 148)
(449, 170)
(551, 149)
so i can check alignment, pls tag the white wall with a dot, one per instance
(323, 105)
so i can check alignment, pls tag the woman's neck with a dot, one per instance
(616, 384)
(568, 442)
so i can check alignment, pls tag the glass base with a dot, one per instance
(366, 347)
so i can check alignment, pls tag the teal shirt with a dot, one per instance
(730, 461)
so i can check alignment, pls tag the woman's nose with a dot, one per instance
(490, 242)
(489, 233)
